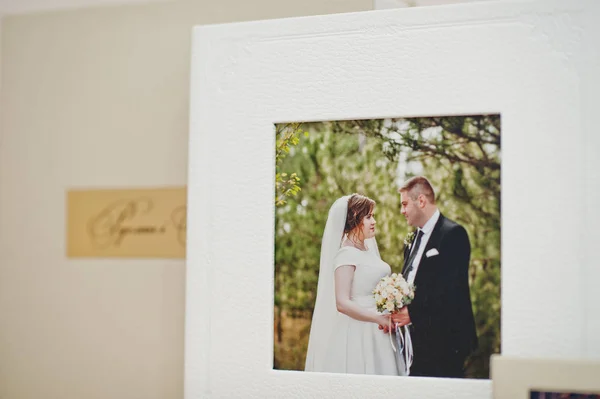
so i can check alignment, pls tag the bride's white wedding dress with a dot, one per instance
(359, 347)
(339, 343)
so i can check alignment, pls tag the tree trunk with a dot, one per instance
(279, 326)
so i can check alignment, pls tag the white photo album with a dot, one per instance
(491, 101)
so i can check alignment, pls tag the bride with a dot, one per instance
(345, 336)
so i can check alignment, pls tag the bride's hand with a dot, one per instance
(385, 329)
(384, 322)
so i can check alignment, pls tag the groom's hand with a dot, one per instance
(401, 317)
(385, 329)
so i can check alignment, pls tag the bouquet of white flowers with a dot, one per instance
(391, 294)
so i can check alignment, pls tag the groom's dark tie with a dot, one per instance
(413, 254)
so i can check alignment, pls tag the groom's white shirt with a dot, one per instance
(427, 230)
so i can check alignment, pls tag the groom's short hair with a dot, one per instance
(416, 186)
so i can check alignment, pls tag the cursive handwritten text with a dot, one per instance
(125, 217)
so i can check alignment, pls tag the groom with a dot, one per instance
(440, 318)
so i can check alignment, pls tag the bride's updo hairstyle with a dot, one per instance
(359, 206)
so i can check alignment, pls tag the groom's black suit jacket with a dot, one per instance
(443, 327)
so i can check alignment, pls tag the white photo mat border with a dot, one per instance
(522, 59)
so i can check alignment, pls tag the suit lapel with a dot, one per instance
(433, 242)
(436, 235)
(407, 249)
(406, 252)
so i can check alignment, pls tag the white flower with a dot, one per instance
(409, 239)
(392, 292)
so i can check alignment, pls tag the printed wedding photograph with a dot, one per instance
(387, 246)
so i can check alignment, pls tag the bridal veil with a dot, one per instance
(325, 312)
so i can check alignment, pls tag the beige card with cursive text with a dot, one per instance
(127, 223)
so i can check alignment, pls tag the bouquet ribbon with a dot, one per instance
(404, 342)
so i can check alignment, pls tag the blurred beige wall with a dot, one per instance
(97, 97)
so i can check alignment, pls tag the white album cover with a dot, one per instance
(493, 102)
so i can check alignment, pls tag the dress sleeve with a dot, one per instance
(344, 257)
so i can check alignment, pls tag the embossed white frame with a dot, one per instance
(534, 62)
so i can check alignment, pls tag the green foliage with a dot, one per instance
(461, 157)
(287, 136)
